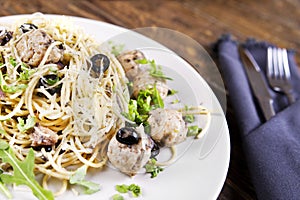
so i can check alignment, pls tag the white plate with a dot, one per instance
(201, 166)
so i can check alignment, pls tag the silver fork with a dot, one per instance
(278, 72)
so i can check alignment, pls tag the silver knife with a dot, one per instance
(258, 84)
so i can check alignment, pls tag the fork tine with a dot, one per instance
(280, 63)
(270, 71)
(275, 62)
(286, 67)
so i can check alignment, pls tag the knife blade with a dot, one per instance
(258, 83)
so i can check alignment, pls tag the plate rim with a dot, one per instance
(120, 29)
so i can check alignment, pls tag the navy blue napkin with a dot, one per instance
(272, 147)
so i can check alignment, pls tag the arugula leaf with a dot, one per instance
(22, 126)
(152, 168)
(78, 178)
(5, 190)
(3, 145)
(23, 173)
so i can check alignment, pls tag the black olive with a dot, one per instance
(127, 135)
(27, 27)
(47, 81)
(62, 151)
(155, 150)
(100, 63)
(5, 36)
(47, 148)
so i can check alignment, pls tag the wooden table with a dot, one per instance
(204, 21)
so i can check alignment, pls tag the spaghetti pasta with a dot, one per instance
(80, 111)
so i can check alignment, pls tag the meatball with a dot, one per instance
(33, 45)
(128, 61)
(43, 136)
(131, 154)
(167, 127)
(144, 80)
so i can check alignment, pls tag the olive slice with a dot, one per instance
(49, 80)
(127, 135)
(27, 27)
(100, 63)
(155, 150)
(5, 36)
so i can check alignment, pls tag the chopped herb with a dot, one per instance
(1, 60)
(134, 189)
(53, 69)
(175, 101)
(12, 61)
(194, 131)
(155, 70)
(26, 72)
(122, 188)
(189, 118)
(78, 178)
(172, 92)
(117, 197)
(157, 100)
(130, 87)
(23, 173)
(142, 61)
(30, 123)
(147, 100)
(116, 49)
(152, 168)
(13, 88)
(51, 81)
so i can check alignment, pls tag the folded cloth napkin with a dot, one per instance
(272, 147)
